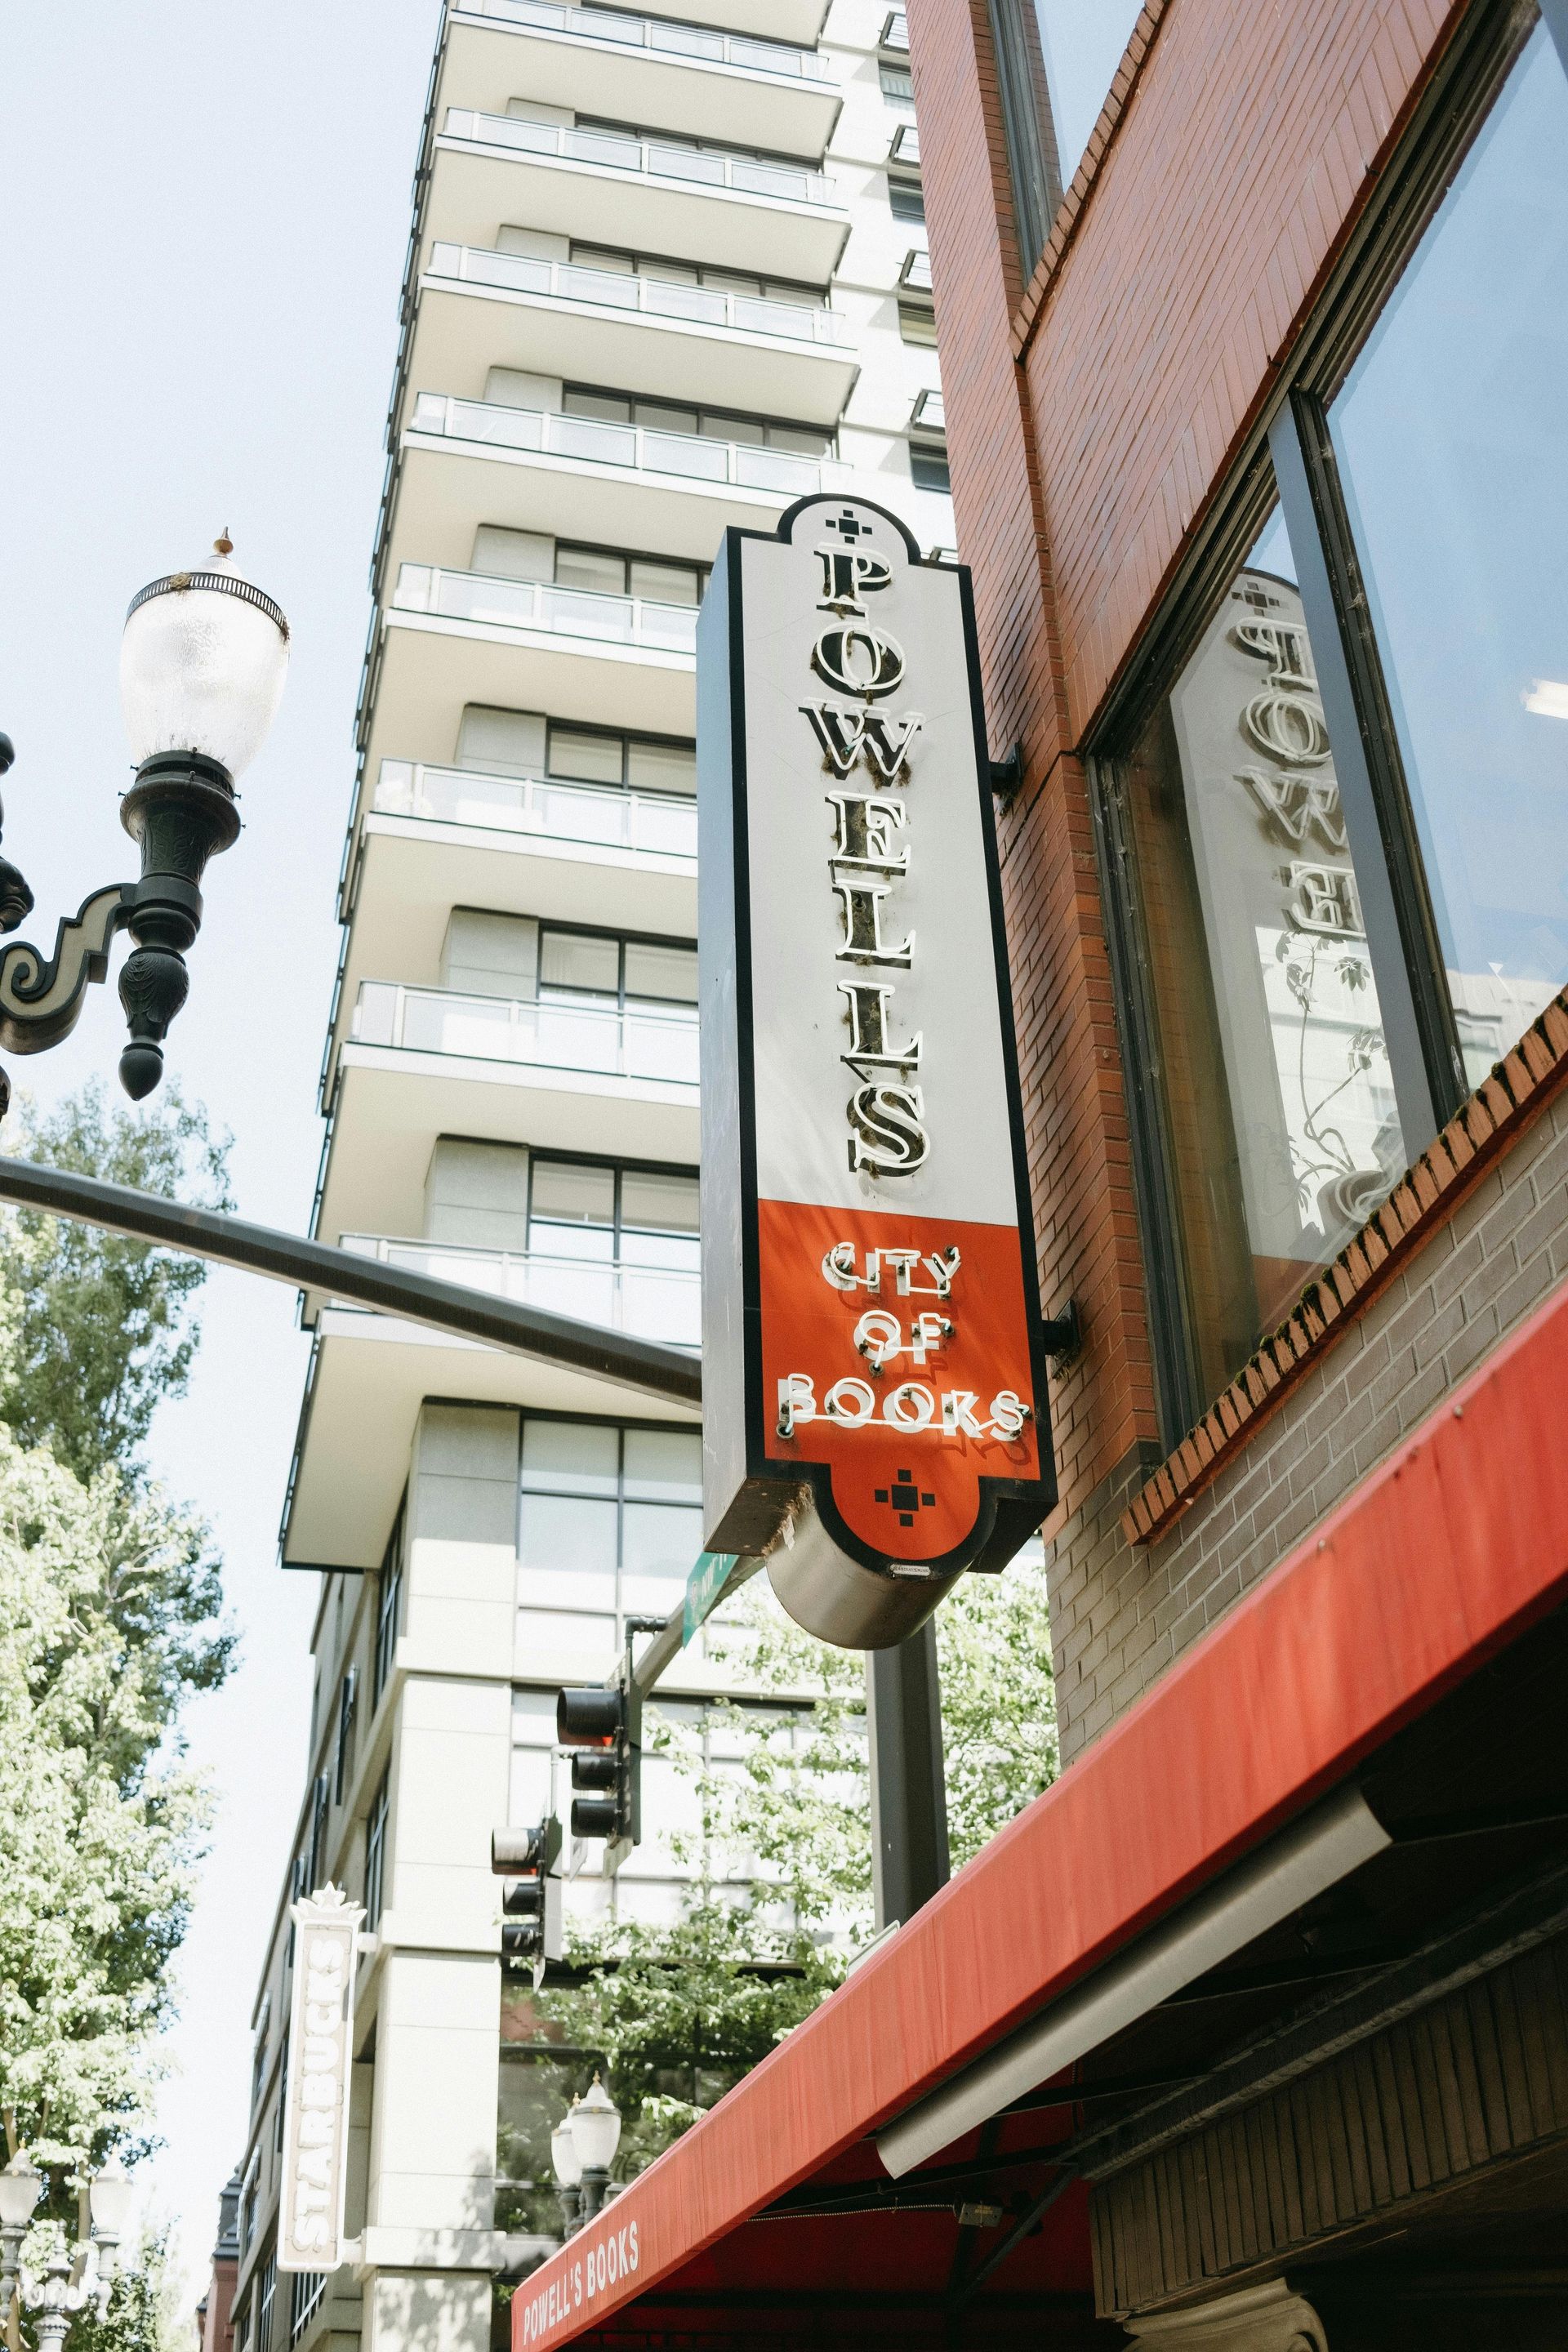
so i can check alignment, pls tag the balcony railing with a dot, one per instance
(539, 604)
(568, 281)
(635, 1041)
(648, 1302)
(642, 448)
(659, 159)
(667, 39)
(602, 815)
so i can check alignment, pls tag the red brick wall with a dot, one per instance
(1217, 193)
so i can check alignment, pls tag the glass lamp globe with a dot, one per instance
(20, 2189)
(597, 2129)
(202, 664)
(108, 2198)
(563, 2153)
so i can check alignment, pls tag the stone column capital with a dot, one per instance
(1268, 2319)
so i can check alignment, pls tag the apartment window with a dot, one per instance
(296, 1887)
(1334, 833)
(906, 200)
(917, 324)
(623, 264)
(610, 1519)
(1449, 432)
(928, 466)
(306, 2291)
(607, 571)
(248, 2231)
(266, 2294)
(259, 2065)
(348, 1700)
(388, 1610)
(611, 1213)
(281, 2110)
(375, 1852)
(898, 84)
(599, 970)
(706, 423)
(633, 763)
(321, 1805)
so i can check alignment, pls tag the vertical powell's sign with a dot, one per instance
(874, 1397)
(316, 2092)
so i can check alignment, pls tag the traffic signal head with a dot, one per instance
(605, 1771)
(594, 1717)
(514, 1854)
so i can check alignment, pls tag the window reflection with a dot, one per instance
(1281, 1133)
(1451, 434)
(1083, 43)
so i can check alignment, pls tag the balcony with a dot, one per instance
(644, 68)
(538, 604)
(466, 462)
(556, 1073)
(622, 661)
(735, 211)
(480, 309)
(642, 1042)
(432, 838)
(646, 824)
(649, 1302)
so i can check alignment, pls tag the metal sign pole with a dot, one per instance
(909, 1787)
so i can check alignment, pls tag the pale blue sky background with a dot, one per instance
(206, 205)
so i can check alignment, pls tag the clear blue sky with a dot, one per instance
(207, 207)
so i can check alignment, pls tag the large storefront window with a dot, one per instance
(1451, 436)
(1262, 1056)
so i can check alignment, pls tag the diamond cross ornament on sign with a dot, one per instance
(874, 1399)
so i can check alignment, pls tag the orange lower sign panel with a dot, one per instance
(896, 1350)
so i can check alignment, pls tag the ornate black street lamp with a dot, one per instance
(201, 670)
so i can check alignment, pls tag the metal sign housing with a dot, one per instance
(875, 1406)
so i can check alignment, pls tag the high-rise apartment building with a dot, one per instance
(664, 276)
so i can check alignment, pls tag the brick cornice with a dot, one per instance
(1426, 1195)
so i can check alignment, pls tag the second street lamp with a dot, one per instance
(201, 671)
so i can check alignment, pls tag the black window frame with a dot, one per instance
(376, 1827)
(623, 940)
(266, 2296)
(1028, 127)
(1290, 458)
(700, 407)
(626, 557)
(388, 1612)
(618, 1168)
(626, 737)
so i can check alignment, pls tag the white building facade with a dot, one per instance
(664, 276)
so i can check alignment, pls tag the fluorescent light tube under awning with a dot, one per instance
(1305, 1860)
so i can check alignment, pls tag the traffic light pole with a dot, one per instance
(909, 1809)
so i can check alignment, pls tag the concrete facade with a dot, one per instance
(663, 277)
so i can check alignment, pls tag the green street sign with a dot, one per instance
(705, 1588)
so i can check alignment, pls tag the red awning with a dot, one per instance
(1435, 1562)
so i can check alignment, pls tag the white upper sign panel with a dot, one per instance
(871, 938)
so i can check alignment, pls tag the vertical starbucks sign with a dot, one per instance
(316, 2090)
(874, 1401)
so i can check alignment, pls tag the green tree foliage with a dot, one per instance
(782, 1846)
(103, 1331)
(144, 2313)
(109, 1607)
